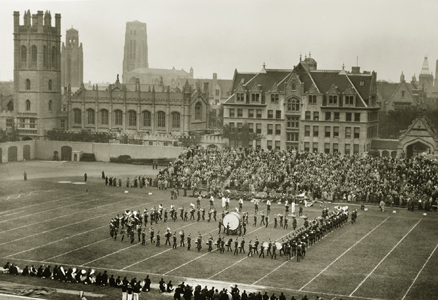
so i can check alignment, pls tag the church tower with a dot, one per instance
(72, 60)
(37, 73)
(136, 48)
(426, 78)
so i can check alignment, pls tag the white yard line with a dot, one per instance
(271, 272)
(416, 277)
(102, 257)
(77, 249)
(20, 297)
(342, 254)
(360, 284)
(227, 267)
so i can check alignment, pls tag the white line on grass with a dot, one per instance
(360, 284)
(85, 264)
(14, 213)
(77, 249)
(416, 277)
(17, 296)
(342, 254)
(271, 272)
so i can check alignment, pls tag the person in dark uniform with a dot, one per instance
(286, 225)
(147, 284)
(199, 243)
(236, 247)
(244, 227)
(262, 250)
(182, 236)
(143, 237)
(228, 228)
(222, 246)
(85, 177)
(151, 234)
(103, 175)
(263, 219)
(267, 221)
(255, 220)
(274, 251)
(158, 239)
(214, 214)
(198, 213)
(268, 251)
(167, 235)
(189, 242)
(229, 243)
(294, 223)
(174, 240)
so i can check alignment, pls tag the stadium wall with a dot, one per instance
(17, 151)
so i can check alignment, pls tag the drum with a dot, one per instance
(265, 244)
(232, 218)
(279, 246)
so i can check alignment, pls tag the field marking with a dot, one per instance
(271, 272)
(14, 213)
(21, 297)
(123, 249)
(416, 277)
(360, 284)
(342, 255)
(63, 239)
(88, 245)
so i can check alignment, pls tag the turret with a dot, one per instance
(47, 19)
(58, 23)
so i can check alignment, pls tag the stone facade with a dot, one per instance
(136, 48)
(72, 60)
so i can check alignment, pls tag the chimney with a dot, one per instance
(355, 70)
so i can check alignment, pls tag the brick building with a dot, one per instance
(305, 108)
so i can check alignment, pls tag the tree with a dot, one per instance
(244, 134)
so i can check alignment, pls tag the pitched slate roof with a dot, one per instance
(159, 71)
(386, 90)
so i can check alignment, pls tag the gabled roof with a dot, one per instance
(421, 123)
(386, 90)
(265, 80)
(402, 84)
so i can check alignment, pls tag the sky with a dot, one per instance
(219, 36)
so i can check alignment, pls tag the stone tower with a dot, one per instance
(426, 78)
(72, 60)
(37, 73)
(136, 48)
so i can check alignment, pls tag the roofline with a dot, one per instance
(360, 96)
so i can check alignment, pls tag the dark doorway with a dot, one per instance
(66, 153)
(416, 149)
(26, 152)
(1, 155)
(12, 153)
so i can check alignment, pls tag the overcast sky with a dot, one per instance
(218, 36)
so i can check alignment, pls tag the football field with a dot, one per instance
(384, 255)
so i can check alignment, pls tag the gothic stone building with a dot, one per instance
(305, 108)
(151, 111)
(72, 60)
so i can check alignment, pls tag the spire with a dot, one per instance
(263, 69)
(425, 67)
(301, 57)
(402, 77)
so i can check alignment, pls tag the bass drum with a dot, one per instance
(232, 218)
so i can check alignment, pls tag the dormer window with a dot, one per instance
(293, 86)
(240, 97)
(255, 97)
(349, 100)
(333, 100)
(312, 99)
(274, 98)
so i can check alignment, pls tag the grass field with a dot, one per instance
(383, 256)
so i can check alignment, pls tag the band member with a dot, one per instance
(286, 225)
(199, 242)
(256, 246)
(222, 246)
(209, 216)
(256, 206)
(199, 214)
(294, 223)
(211, 202)
(263, 219)
(192, 213)
(189, 242)
(262, 250)
(244, 227)
(240, 204)
(275, 221)
(158, 239)
(274, 251)
(229, 243)
(220, 225)
(203, 213)
(286, 207)
(242, 245)
(198, 202)
(151, 234)
(186, 213)
(214, 214)
(228, 228)
(138, 232)
(281, 220)
(167, 235)
(181, 214)
(250, 247)
(236, 247)
(210, 243)
(143, 237)
(174, 240)
(227, 203)
(268, 207)
(122, 233)
(268, 251)
(181, 235)
(255, 220)
(267, 221)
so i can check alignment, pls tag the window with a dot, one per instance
(293, 105)
(315, 131)
(162, 119)
(270, 114)
(293, 86)
(327, 131)
(336, 116)
(198, 111)
(348, 117)
(147, 120)
(250, 113)
(356, 149)
(328, 116)
(292, 121)
(314, 147)
(240, 97)
(258, 128)
(292, 136)
(27, 105)
(312, 99)
(335, 147)
(403, 94)
(306, 147)
(90, 116)
(307, 130)
(239, 112)
(277, 145)
(176, 123)
(307, 115)
(232, 113)
(10, 106)
(269, 145)
(23, 55)
(27, 84)
(50, 105)
(270, 128)
(104, 117)
(336, 131)
(349, 100)
(232, 127)
(278, 114)
(327, 148)
(77, 116)
(239, 127)
(347, 149)
(45, 57)
(255, 97)
(34, 55)
(132, 118)
(54, 65)
(251, 127)
(274, 98)
(62, 123)
(356, 117)
(333, 100)
(258, 144)
(50, 84)
(362, 83)
(348, 132)
(9, 122)
(32, 123)
(316, 115)
(277, 129)
(118, 117)
(259, 113)
(217, 92)
(356, 132)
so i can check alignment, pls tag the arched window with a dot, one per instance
(118, 117)
(27, 105)
(104, 117)
(132, 118)
(50, 84)
(176, 120)
(293, 85)
(23, 55)
(147, 118)
(27, 84)
(161, 116)
(77, 116)
(50, 105)
(54, 55)
(10, 106)
(90, 116)
(293, 105)
(198, 111)
(34, 55)
(45, 56)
